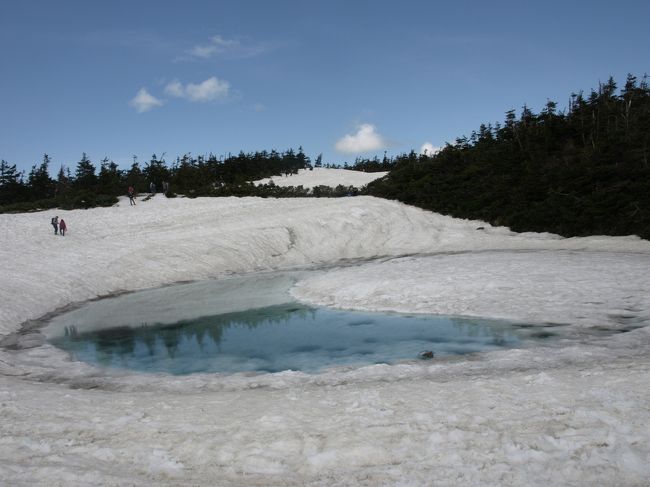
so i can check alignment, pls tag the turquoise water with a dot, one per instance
(284, 337)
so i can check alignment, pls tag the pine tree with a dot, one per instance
(63, 183)
(8, 174)
(40, 185)
(109, 180)
(85, 177)
(581, 173)
(155, 171)
(302, 159)
(10, 185)
(135, 178)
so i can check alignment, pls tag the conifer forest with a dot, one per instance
(581, 170)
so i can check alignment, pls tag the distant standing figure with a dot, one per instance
(152, 188)
(131, 193)
(55, 224)
(62, 227)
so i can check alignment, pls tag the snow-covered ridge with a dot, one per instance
(167, 240)
(321, 176)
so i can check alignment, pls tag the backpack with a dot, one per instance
(54, 222)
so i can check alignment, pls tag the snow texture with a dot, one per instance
(573, 412)
(320, 176)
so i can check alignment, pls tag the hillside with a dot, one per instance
(580, 172)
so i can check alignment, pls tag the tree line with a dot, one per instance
(581, 171)
(192, 176)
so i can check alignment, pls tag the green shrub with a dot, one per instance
(29, 206)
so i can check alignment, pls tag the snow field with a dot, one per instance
(572, 413)
(325, 177)
(536, 428)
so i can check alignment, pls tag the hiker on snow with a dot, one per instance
(55, 224)
(62, 227)
(131, 193)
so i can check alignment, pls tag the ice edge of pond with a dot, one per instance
(37, 360)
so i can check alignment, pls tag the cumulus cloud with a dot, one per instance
(219, 46)
(429, 149)
(366, 139)
(202, 51)
(143, 101)
(175, 88)
(212, 89)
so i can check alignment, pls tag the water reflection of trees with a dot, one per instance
(188, 339)
(500, 335)
(205, 331)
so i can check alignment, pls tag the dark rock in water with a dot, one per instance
(480, 228)
(426, 355)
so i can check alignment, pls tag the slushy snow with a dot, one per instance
(572, 412)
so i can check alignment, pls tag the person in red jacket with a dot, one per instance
(62, 227)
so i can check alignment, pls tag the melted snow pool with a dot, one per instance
(283, 337)
(251, 324)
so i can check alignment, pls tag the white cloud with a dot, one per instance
(227, 47)
(202, 51)
(212, 89)
(366, 139)
(222, 44)
(175, 88)
(143, 101)
(429, 149)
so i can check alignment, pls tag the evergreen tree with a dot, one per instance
(110, 178)
(155, 171)
(135, 178)
(302, 159)
(188, 174)
(11, 189)
(85, 177)
(63, 181)
(40, 185)
(8, 174)
(583, 172)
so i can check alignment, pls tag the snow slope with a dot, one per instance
(321, 176)
(571, 413)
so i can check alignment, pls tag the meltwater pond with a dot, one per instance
(250, 324)
(282, 337)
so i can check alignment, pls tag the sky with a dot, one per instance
(344, 79)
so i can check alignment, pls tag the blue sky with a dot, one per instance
(342, 78)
